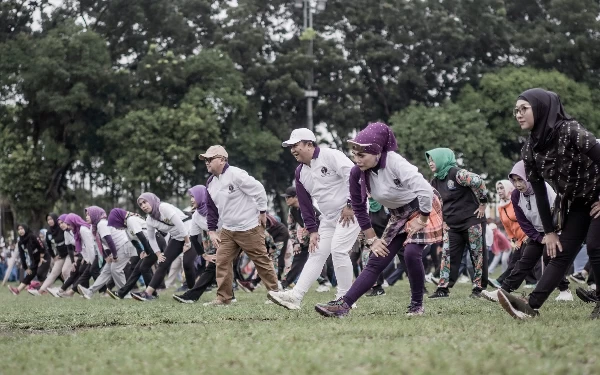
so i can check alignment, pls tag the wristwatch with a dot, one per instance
(371, 241)
(349, 204)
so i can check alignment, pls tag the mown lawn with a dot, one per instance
(458, 335)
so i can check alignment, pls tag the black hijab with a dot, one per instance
(548, 114)
(57, 234)
(27, 238)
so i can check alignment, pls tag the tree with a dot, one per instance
(419, 128)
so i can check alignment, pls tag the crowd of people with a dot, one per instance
(356, 226)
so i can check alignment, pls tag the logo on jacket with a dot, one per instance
(397, 182)
(230, 189)
(326, 172)
(451, 185)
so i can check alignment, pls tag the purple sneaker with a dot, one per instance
(415, 309)
(338, 308)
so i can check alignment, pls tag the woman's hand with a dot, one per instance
(379, 248)
(480, 211)
(347, 216)
(161, 257)
(595, 213)
(210, 258)
(553, 244)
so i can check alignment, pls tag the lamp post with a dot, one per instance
(309, 7)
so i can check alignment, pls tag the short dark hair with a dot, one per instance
(312, 143)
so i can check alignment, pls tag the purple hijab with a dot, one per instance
(117, 217)
(154, 203)
(519, 170)
(62, 217)
(96, 214)
(376, 138)
(200, 195)
(76, 222)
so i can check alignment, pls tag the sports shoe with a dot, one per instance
(495, 283)
(13, 290)
(128, 296)
(596, 313)
(517, 307)
(565, 295)
(286, 299)
(415, 309)
(463, 279)
(113, 295)
(233, 300)
(246, 286)
(578, 277)
(182, 299)
(182, 288)
(475, 293)
(592, 286)
(85, 292)
(338, 308)
(435, 280)
(322, 288)
(375, 292)
(490, 296)
(269, 302)
(143, 296)
(428, 278)
(54, 292)
(35, 285)
(385, 284)
(588, 296)
(440, 293)
(34, 292)
(216, 302)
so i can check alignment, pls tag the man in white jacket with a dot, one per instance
(240, 202)
(323, 175)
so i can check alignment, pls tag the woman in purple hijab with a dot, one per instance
(415, 216)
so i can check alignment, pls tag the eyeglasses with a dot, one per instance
(520, 110)
(209, 160)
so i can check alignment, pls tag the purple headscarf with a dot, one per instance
(62, 217)
(519, 170)
(376, 138)
(200, 195)
(76, 222)
(117, 217)
(96, 214)
(154, 203)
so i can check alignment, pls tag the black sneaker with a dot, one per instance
(376, 292)
(113, 295)
(588, 296)
(183, 288)
(578, 278)
(143, 296)
(596, 313)
(517, 307)
(182, 299)
(440, 293)
(476, 293)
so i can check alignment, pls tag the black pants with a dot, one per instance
(515, 256)
(577, 227)
(296, 268)
(144, 268)
(526, 265)
(74, 275)
(87, 272)
(41, 271)
(206, 279)
(174, 248)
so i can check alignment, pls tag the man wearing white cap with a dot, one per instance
(323, 175)
(240, 201)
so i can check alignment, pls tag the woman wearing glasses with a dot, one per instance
(562, 152)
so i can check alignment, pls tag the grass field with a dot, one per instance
(45, 335)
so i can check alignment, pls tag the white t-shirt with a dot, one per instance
(89, 249)
(198, 224)
(168, 223)
(69, 239)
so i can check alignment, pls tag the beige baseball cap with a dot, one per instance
(216, 150)
(301, 134)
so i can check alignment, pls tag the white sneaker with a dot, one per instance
(128, 296)
(322, 288)
(463, 279)
(54, 291)
(279, 286)
(565, 295)
(286, 299)
(85, 292)
(490, 296)
(592, 286)
(385, 284)
(269, 302)
(33, 292)
(428, 278)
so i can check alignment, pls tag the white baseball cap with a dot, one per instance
(298, 135)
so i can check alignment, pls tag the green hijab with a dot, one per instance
(444, 160)
(374, 206)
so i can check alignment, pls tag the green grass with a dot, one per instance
(458, 335)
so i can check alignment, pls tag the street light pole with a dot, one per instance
(309, 93)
